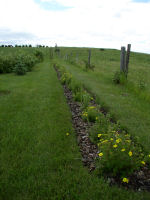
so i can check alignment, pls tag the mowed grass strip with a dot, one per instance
(37, 159)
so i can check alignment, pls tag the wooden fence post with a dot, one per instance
(122, 59)
(127, 57)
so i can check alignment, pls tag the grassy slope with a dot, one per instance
(37, 159)
(128, 105)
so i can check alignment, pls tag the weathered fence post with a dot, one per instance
(89, 58)
(66, 56)
(127, 57)
(122, 59)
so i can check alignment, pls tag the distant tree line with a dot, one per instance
(22, 46)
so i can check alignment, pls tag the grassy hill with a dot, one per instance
(37, 159)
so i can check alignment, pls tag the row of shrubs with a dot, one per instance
(119, 154)
(19, 64)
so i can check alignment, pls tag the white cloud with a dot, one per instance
(97, 23)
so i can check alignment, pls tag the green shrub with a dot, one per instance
(7, 63)
(20, 68)
(119, 78)
(66, 78)
(119, 156)
(90, 114)
(75, 86)
(39, 54)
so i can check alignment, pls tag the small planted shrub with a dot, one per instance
(75, 86)
(91, 112)
(83, 97)
(119, 156)
(66, 78)
(89, 66)
(119, 77)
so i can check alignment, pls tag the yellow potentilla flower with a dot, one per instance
(127, 135)
(91, 107)
(130, 153)
(122, 150)
(104, 141)
(129, 141)
(113, 131)
(111, 139)
(100, 154)
(149, 155)
(143, 162)
(99, 135)
(67, 134)
(118, 140)
(115, 145)
(125, 180)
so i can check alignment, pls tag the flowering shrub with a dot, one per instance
(90, 113)
(66, 78)
(120, 155)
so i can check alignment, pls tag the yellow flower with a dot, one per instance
(129, 141)
(130, 153)
(143, 162)
(127, 135)
(118, 140)
(91, 98)
(111, 139)
(115, 145)
(125, 180)
(67, 134)
(91, 107)
(104, 141)
(85, 114)
(149, 155)
(96, 118)
(100, 154)
(99, 135)
(122, 150)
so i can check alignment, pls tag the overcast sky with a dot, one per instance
(82, 23)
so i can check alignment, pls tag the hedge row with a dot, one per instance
(20, 63)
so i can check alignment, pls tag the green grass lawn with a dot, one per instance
(130, 105)
(37, 160)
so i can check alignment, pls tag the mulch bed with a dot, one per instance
(139, 180)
